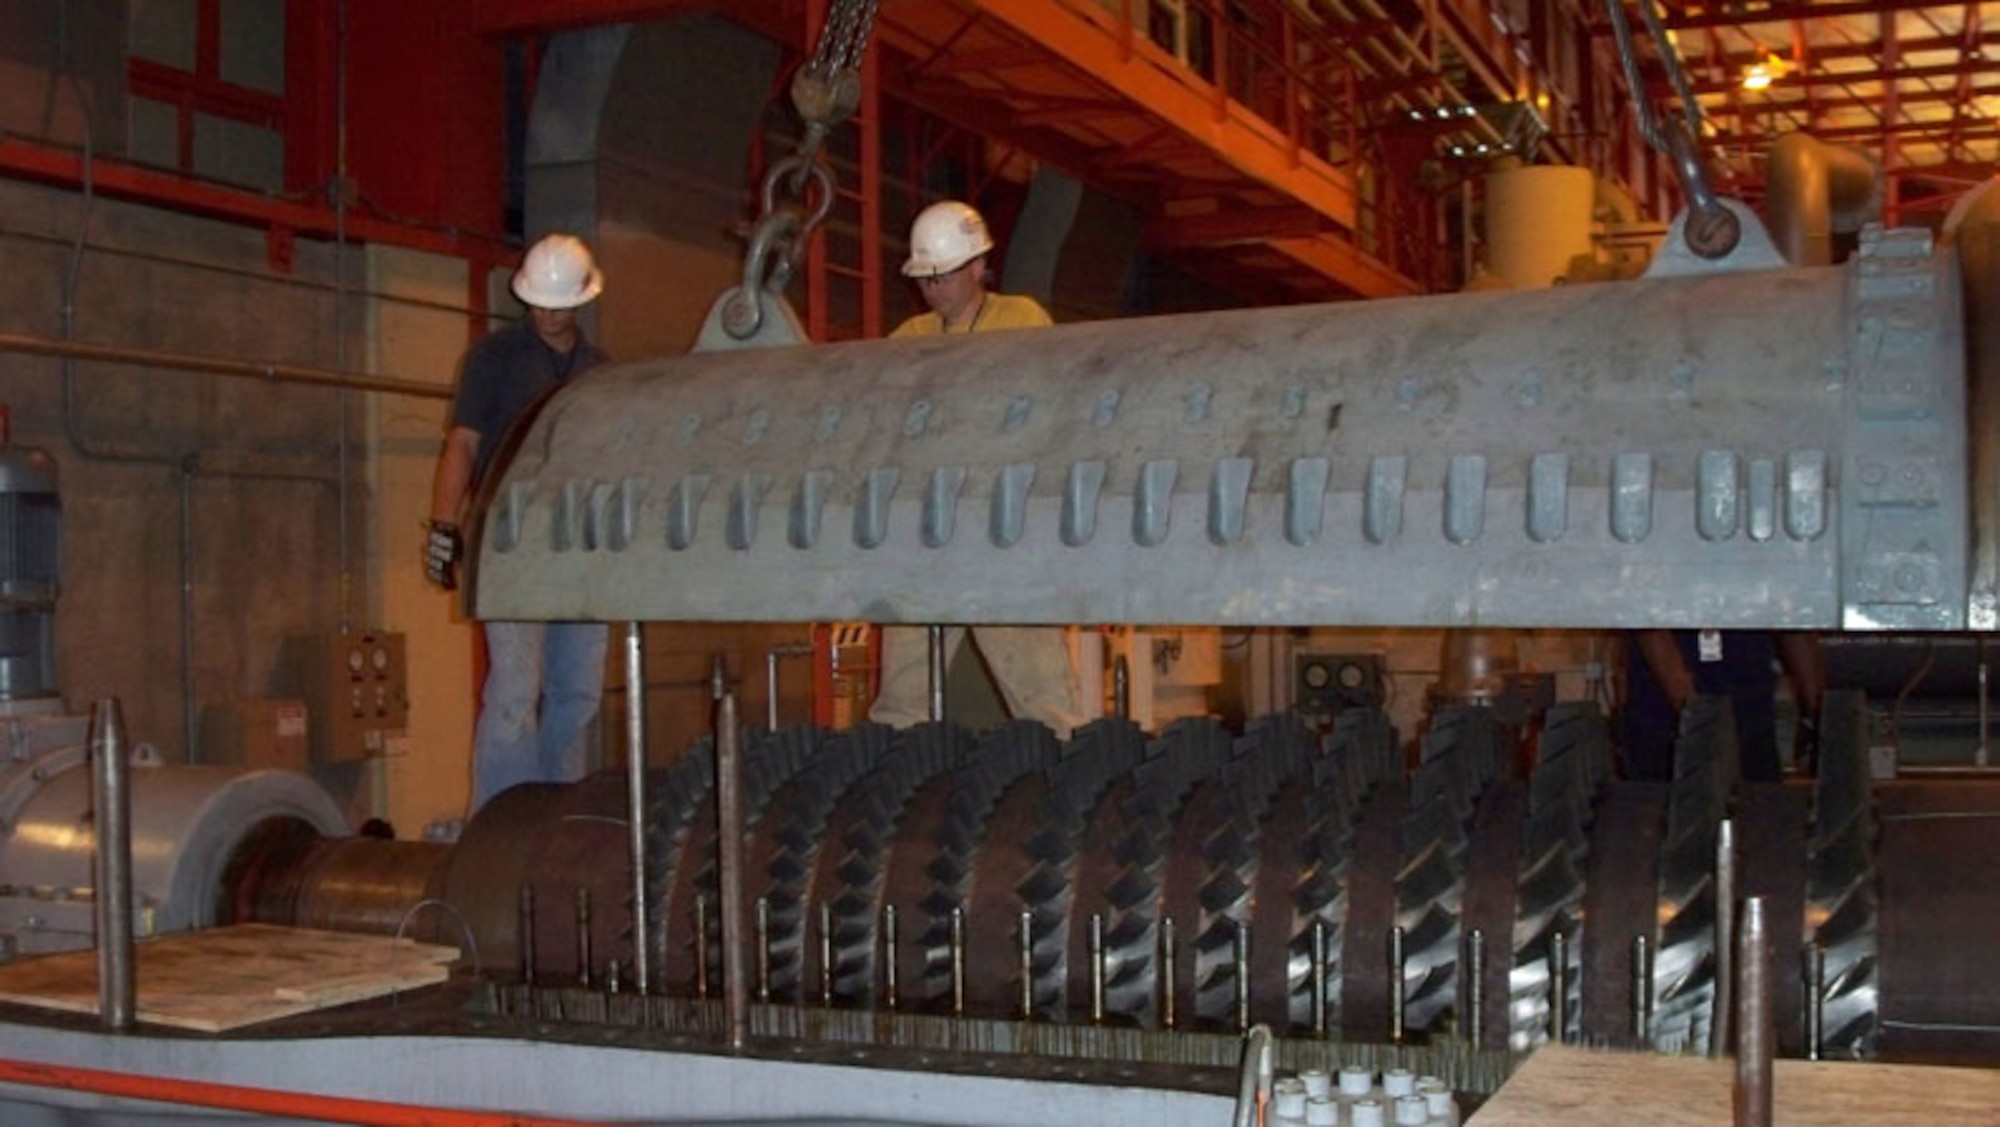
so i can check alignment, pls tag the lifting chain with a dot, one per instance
(825, 92)
(1712, 230)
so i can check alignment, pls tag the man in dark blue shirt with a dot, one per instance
(544, 679)
(1667, 668)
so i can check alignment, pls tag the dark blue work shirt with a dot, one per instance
(505, 375)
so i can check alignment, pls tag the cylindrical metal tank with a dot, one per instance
(189, 827)
(1538, 223)
(1725, 445)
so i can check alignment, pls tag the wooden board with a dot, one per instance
(230, 977)
(1568, 1087)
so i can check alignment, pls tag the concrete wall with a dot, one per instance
(257, 465)
(673, 177)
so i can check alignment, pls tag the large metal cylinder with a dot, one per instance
(1538, 221)
(190, 826)
(1770, 448)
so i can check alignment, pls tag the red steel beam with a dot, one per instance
(27, 160)
(1865, 49)
(1782, 13)
(1800, 79)
(1854, 101)
(517, 17)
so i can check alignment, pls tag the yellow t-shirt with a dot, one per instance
(1001, 311)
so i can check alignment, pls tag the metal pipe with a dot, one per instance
(264, 371)
(635, 786)
(771, 689)
(1396, 964)
(701, 948)
(1169, 955)
(1558, 987)
(1027, 966)
(729, 824)
(614, 976)
(1642, 989)
(958, 962)
(1097, 967)
(937, 664)
(527, 934)
(1815, 999)
(1475, 988)
(1121, 688)
(111, 814)
(1253, 1089)
(890, 952)
(763, 949)
(1725, 938)
(1242, 975)
(1971, 228)
(583, 937)
(190, 739)
(826, 955)
(771, 657)
(1814, 190)
(1319, 977)
(1756, 1033)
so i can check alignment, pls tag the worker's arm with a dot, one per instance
(1663, 661)
(453, 478)
(1805, 668)
(1805, 671)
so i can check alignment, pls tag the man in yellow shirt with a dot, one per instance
(948, 248)
(1032, 665)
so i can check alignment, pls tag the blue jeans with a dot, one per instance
(543, 683)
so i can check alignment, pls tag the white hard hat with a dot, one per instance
(946, 236)
(558, 273)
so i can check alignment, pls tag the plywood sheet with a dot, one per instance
(225, 978)
(1567, 1087)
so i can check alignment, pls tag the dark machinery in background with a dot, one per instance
(1207, 882)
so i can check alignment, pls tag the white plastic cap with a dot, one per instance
(1289, 1097)
(1436, 1094)
(1356, 1081)
(1367, 1113)
(1411, 1112)
(1322, 1112)
(1317, 1081)
(1399, 1082)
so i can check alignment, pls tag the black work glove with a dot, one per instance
(443, 548)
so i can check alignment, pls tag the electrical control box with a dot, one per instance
(357, 692)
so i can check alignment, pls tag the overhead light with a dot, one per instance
(1766, 70)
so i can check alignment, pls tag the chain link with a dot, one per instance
(825, 92)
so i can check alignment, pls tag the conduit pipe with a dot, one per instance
(262, 1101)
(262, 370)
(1813, 191)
